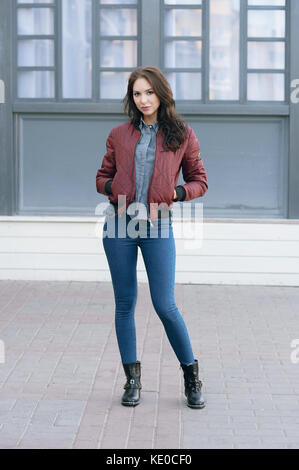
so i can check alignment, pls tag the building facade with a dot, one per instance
(233, 66)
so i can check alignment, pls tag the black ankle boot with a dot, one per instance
(193, 386)
(131, 397)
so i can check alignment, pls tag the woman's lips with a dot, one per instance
(145, 107)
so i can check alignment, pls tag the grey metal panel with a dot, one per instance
(6, 122)
(294, 114)
(58, 160)
(246, 163)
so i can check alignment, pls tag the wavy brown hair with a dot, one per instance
(172, 125)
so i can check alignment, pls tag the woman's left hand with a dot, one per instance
(175, 195)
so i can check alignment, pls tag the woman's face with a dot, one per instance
(146, 100)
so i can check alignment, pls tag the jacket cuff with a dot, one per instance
(108, 186)
(181, 193)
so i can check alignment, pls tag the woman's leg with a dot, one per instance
(121, 255)
(159, 256)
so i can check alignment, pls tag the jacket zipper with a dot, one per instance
(149, 188)
(134, 166)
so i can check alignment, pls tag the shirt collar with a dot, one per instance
(142, 125)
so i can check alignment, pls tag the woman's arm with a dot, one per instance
(108, 169)
(194, 173)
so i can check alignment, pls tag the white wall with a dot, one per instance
(70, 248)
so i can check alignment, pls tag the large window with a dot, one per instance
(210, 50)
(225, 50)
(182, 58)
(76, 49)
(36, 49)
(266, 50)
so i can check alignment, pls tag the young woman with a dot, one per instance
(140, 171)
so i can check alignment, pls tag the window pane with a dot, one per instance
(35, 1)
(118, 22)
(35, 21)
(36, 84)
(182, 2)
(266, 87)
(224, 49)
(118, 53)
(266, 55)
(113, 85)
(76, 48)
(183, 54)
(266, 23)
(36, 52)
(185, 86)
(183, 22)
(118, 1)
(267, 2)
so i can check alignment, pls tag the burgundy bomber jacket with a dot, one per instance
(119, 164)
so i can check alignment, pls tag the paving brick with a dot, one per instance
(62, 382)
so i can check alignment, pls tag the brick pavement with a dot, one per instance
(62, 380)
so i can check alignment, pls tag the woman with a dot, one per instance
(140, 171)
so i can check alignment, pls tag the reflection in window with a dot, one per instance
(265, 87)
(113, 84)
(35, 21)
(185, 86)
(183, 48)
(129, 2)
(266, 23)
(269, 3)
(35, 1)
(36, 84)
(118, 22)
(36, 52)
(183, 54)
(115, 50)
(76, 48)
(267, 55)
(121, 51)
(224, 49)
(183, 22)
(117, 53)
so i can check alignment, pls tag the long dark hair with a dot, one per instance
(170, 122)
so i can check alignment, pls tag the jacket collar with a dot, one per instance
(142, 125)
(138, 124)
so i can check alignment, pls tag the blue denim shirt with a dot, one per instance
(144, 164)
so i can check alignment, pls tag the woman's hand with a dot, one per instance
(175, 195)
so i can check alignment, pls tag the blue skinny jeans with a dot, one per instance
(157, 246)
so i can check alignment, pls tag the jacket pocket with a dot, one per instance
(117, 188)
(113, 196)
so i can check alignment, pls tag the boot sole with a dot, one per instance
(130, 403)
(198, 407)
